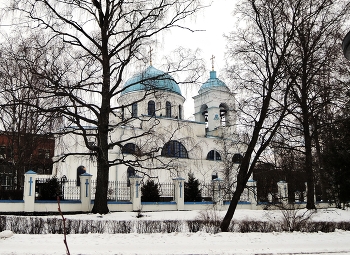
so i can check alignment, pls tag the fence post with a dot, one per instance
(135, 192)
(29, 190)
(85, 192)
(252, 193)
(283, 192)
(179, 184)
(217, 192)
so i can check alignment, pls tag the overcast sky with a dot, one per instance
(213, 21)
(216, 20)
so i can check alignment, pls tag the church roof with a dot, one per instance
(149, 79)
(212, 82)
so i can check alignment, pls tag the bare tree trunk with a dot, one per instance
(320, 164)
(100, 203)
(269, 82)
(241, 184)
(309, 168)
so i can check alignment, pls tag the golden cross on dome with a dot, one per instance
(150, 55)
(212, 61)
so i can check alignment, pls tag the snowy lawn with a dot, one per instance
(337, 242)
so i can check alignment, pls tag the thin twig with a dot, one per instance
(64, 226)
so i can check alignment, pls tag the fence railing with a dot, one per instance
(11, 193)
(207, 191)
(227, 192)
(166, 190)
(70, 190)
(47, 189)
(117, 191)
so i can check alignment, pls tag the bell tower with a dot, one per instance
(214, 105)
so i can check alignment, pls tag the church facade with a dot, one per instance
(158, 143)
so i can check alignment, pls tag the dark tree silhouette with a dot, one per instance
(192, 191)
(98, 42)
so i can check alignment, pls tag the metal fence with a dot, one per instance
(117, 191)
(70, 190)
(225, 191)
(167, 190)
(120, 191)
(207, 191)
(11, 193)
(50, 188)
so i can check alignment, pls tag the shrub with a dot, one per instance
(50, 189)
(170, 226)
(11, 194)
(295, 219)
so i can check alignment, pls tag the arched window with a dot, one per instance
(180, 112)
(237, 158)
(213, 155)
(174, 149)
(151, 108)
(130, 172)
(168, 109)
(131, 148)
(223, 114)
(204, 111)
(134, 110)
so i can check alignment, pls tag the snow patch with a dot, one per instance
(6, 234)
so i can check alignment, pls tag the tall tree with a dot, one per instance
(336, 157)
(23, 126)
(102, 39)
(280, 47)
(260, 51)
(315, 70)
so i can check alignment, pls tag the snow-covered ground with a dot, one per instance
(337, 242)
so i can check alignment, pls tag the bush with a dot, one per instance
(296, 220)
(247, 226)
(11, 194)
(50, 189)
(38, 225)
(170, 226)
(150, 192)
(2, 223)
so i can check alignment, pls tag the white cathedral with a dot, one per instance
(206, 147)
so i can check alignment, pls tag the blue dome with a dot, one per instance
(212, 82)
(149, 79)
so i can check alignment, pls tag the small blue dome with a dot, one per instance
(149, 79)
(212, 82)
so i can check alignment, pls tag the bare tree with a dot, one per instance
(289, 43)
(260, 51)
(102, 40)
(315, 71)
(27, 141)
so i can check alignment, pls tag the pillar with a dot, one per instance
(217, 192)
(252, 192)
(213, 118)
(282, 192)
(179, 185)
(135, 192)
(85, 192)
(29, 191)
